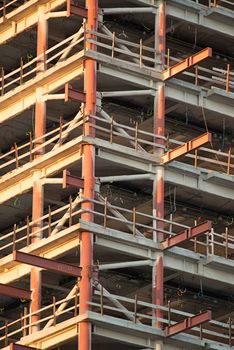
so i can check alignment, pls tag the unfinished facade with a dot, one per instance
(116, 174)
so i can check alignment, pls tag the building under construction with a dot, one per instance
(116, 174)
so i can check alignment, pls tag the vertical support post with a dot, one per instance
(157, 290)
(88, 161)
(38, 190)
(160, 35)
(158, 190)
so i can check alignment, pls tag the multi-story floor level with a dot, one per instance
(117, 174)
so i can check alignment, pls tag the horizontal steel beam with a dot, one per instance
(24, 96)
(15, 292)
(190, 12)
(21, 180)
(187, 63)
(74, 95)
(52, 247)
(117, 178)
(188, 323)
(14, 346)
(121, 10)
(185, 148)
(74, 9)
(186, 235)
(48, 264)
(25, 16)
(71, 180)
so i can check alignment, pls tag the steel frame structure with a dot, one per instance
(83, 225)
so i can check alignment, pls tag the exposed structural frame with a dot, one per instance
(85, 149)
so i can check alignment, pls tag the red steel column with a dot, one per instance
(38, 191)
(88, 163)
(158, 191)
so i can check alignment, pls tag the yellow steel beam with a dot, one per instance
(24, 17)
(21, 180)
(52, 247)
(19, 99)
(186, 147)
(187, 63)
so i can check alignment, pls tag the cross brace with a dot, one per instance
(187, 63)
(14, 292)
(186, 147)
(188, 323)
(48, 264)
(186, 235)
(74, 95)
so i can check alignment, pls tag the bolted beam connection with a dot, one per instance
(15, 292)
(186, 235)
(71, 180)
(48, 264)
(186, 148)
(187, 324)
(74, 95)
(187, 63)
(75, 10)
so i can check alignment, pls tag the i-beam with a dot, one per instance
(48, 264)
(15, 292)
(187, 234)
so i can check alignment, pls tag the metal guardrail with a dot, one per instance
(131, 221)
(52, 314)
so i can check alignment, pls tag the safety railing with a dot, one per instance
(207, 158)
(136, 311)
(111, 216)
(111, 45)
(22, 154)
(50, 315)
(8, 6)
(40, 63)
(140, 312)
(117, 133)
(207, 78)
(226, 4)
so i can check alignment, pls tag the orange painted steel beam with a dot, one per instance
(187, 63)
(48, 264)
(186, 147)
(186, 235)
(188, 323)
(71, 180)
(73, 9)
(15, 292)
(74, 95)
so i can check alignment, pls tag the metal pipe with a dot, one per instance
(38, 190)
(125, 264)
(125, 178)
(127, 93)
(120, 10)
(88, 159)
